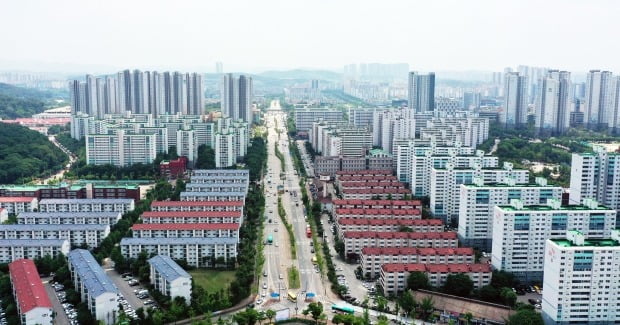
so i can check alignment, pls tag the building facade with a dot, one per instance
(169, 278)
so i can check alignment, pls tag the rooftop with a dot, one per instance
(12, 199)
(29, 290)
(86, 201)
(68, 214)
(185, 226)
(178, 241)
(32, 242)
(548, 208)
(606, 242)
(168, 268)
(191, 214)
(502, 185)
(196, 203)
(90, 273)
(54, 227)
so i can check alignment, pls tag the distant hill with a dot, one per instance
(21, 102)
(25, 153)
(302, 74)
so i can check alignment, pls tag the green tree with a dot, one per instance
(381, 303)
(347, 319)
(508, 296)
(427, 306)
(407, 303)
(468, 318)
(271, 314)
(458, 284)
(525, 317)
(206, 157)
(315, 310)
(488, 293)
(418, 280)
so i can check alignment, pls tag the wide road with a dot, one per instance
(278, 257)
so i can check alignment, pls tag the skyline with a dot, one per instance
(190, 35)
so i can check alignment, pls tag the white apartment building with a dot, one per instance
(596, 176)
(553, 101)
(393, 277)
(221, 187)
(392, 124)
(477, 200)
(232, 173)
(14, 249)
(196, 206)
(520, 232)
(213, 196)
(169, 278)
(355, 241)
(187, 145)
(192, 217)
(19, 204)
(412, 154)
(469, 131)
(86, 205)
(197, 252)
(373, 258)
(77, 234)
(599, 101)
(515, 100)
(219, 179)
(581, 280)
(225, 150)
(4, 215)
(304, 117)
(120, 148)
(33, 305)
(444, 185)
(96, 289)
(186, 230)
(67, 218)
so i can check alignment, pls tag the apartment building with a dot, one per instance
(80, 189)
(33, 305)
(596, 176)
(376, 193)
(223, 187)
(220, 179)
(372, 258)
(4, 215)
(191, 217)
(393, 277)
(14, 249)
(68, 218)
(196, 206)
(304, 117)
(377, 204)
(470, 131)
(229, 173)
(581, 280)
(520, 232)
(197, 252)
(381, 225)
(477, 201)
(169, 278)
(76, 234)
(355, 241)
(186, 230)
(385, 214)
(96, 289)
(213, 196)
(445, 192)
(86, 205)
(16, 204)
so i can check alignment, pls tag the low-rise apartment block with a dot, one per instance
(178, 206)
(378, 193)
(477, 201)
(377, 204)
(96, 289)
(520, 232)
(355, 241)
(169, 278)
(67, 218)
(399, 214)
(223, 187)
(373, 258)
(86, 205)
(80, 189)
(379, 224)
(185, 230)
(14, 249)
(393, 278)
(77, 234)
(581, 280)
(16, 204)
(192, 217)
(33, 305)
(213, 196)
(197, 252)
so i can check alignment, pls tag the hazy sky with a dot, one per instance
(100, 36)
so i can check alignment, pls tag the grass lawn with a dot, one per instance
(212, 280)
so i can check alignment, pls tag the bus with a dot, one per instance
(343, 309)
(291, 296)
(270, 239)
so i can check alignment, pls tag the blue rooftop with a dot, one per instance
(53, 227)
(168, 268)
(90, 273)
(184, 194)
(105, 214)
(32, 242)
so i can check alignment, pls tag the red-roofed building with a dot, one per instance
(197, 206)
(33, 304)
(17, 204)
(382, 193)
(364, 172)
(191, 217)
(388, 224)
(355, 241)
(393, 278)
(372, 258)
(173, 168)
(376, 204)
(367, 213)
(185, 230)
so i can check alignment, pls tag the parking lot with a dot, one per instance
(65, 312)
(132, 295)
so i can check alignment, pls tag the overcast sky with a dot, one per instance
(102, 36)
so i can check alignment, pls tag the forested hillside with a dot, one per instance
(25, 153)
(21, 102)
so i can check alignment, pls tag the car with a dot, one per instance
(263, 294)
(537, 306)
(259, 301)
(265, 273)
(264, 285)
(281, 276)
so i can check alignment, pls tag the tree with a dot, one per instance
(488, 293)
(381, 303)
(468, 317)
(502, 279)
(508, 296)
(206, 157)
(347, 319)
(427, 306)
(418, 280)
(525, 316)
(270, 313)
(458, 284)
(407, 303)
(315, 309)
